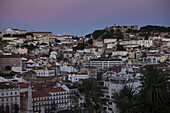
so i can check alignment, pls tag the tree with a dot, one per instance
(2, 109)
(154, 89)
(118, 31)
(57, 41)
(8, 68)
(30, 47)
(97, 33)
(129, 30)
(93, 96)
(15, 108)
(90, 41)
(128, 100)
(120, 47)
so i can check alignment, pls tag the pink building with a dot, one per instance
(10, 60)
(9, 95)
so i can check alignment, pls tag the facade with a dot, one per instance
(72, 89)
(40, 100)
(98, 43)
(14, 31)
(9, 96)
(38, 34)
(10, 60)
(20, 50)
(45, 40)
(109, 40)
(110, 88)
(76, 77)
(102, 63)
(59, 97)
(121, 53)
(136, 43)
(44, 71)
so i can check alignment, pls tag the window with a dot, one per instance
(11, 93)
(7, 93)
(2, 94)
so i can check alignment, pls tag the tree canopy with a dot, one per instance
(93, 96)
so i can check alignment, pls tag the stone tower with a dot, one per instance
(29, 107)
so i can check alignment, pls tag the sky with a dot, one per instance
(81, 17)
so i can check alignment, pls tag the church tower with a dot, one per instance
(29, 107)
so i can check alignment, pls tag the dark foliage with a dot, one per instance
(150, 28)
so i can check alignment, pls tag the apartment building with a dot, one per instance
(102, 63)
(44, 71)
(10, 60)
(9, 95)
(59, 96)
(110, 87)
(76, 77)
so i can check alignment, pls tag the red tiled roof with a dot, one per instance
(58, 89)
(37, 94)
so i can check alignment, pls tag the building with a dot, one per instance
(44, 71)
(121, 53)
(14, 31)
(20, 50)
(72, 89)
(9, 95)
(41, 100)
(102, 63)
(98, 43)
(40, 34)
(59, 97)
(45, 40)
(109, 40)
(10, 60)
(76, 77)
(110, 87)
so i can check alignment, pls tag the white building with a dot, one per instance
(109, 40)
(121, 53)
(20, 50)
(44, 71)
(110, 88)
(14, 31)
(71, 88)
(143, 43)
(102, 63)
(75, 77)
(60, 97)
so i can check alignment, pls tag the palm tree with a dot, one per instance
(92, 95)
(128, 101)
(154, 89)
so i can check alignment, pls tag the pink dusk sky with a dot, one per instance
(81, 16)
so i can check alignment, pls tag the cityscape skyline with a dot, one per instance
(81, 17)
